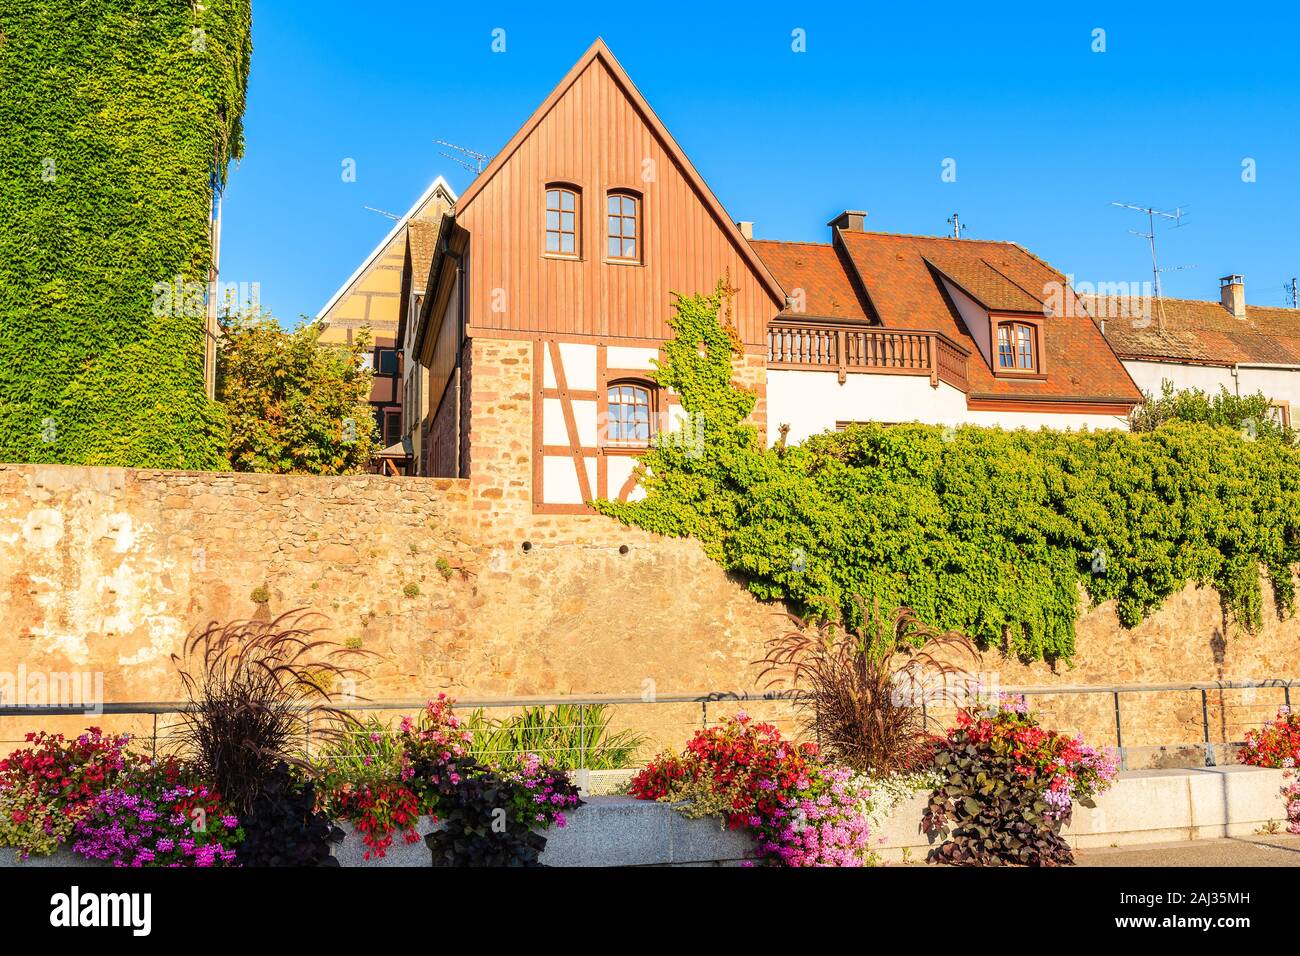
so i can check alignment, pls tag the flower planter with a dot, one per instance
(351, 851)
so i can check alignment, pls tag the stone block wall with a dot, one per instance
(107, 570)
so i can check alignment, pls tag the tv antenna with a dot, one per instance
(472, 160)
(1177, 217)
(1292, 290)
(957, 228)
(383, 212)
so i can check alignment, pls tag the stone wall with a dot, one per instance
(106, 570)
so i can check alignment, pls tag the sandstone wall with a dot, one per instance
(106, 570)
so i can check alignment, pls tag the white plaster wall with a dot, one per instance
(975, 319)
(812, 402)
(1277, 383)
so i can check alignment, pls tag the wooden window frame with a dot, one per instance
(574, 190)
(1012, 323)
(652, 414)
(638, 225)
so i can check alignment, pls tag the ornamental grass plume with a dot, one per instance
(258, 692)
(863, 689)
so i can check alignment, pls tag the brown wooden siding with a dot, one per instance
(594, 137)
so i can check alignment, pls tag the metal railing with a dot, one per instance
(704, 700)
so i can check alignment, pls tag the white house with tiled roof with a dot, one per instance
(1228, 344)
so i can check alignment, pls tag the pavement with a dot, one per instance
(1275, 849)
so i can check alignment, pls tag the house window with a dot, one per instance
(1016, 347)
(630, 421)
(622, 234)
(392, 427)
(561, 221)
(385, 361)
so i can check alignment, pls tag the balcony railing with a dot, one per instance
(830, 347)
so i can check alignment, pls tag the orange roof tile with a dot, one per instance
(815, 269)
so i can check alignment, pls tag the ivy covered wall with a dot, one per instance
(117, 119)
(999, 533)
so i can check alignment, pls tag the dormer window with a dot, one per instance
(562, 221)
(1017, 347)
(623, 227)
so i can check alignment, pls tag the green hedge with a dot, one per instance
(117, 117)
(982, 529)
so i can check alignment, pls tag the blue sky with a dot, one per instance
(1044, 131)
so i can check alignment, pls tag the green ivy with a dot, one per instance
(998, 533)
(118, 118)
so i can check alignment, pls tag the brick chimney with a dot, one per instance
(1232, 294)
(851, 220)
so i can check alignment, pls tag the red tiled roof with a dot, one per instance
(816, 269)
(901, 278)
(1192, 330)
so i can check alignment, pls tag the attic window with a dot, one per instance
(622, 238)
(561, 221)
(1017, 347)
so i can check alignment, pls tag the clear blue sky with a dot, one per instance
(1045, 132)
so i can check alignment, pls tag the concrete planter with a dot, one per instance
(1144, 806)
(606, 831)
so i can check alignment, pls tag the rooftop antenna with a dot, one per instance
(472, 160)
(383, 212)
(1176, 216)
(1292, 290)
(955, 221)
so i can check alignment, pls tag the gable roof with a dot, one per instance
(599, 51)
(1197, 332)
(341, 293)
(902, 282)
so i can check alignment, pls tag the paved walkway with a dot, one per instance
(1278, 849)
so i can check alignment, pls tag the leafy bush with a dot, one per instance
(116, 123)
(571, 735)
(1277, 745)
(800, 810)
(295, 406)
(256, 690)
(1008, 787)
(154, 817)
(283, 826)
(47, 787)
(985, 531)
(862, 689)
(1249, 415)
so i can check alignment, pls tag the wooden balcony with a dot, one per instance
(845, 348)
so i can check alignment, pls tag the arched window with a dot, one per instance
(1017, 347)
(623, 227)
(562, 221)
(631, 419)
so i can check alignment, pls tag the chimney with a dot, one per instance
(746, 229)
(850, 220)
(1232, 294)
